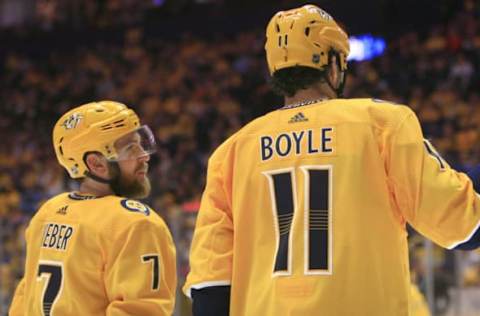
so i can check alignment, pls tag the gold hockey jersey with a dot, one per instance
(418, 305)
(96, 256)
(305, 210)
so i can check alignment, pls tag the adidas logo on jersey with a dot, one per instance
(63, 210)
(299, 117)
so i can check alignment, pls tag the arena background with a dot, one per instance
(195, 71)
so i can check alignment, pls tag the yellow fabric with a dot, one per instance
(418, 306)
(381, 177)
(102, 257)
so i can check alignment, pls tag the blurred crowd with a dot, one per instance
(196, 92)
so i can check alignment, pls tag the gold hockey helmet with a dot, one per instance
(106, 127)
(304, 36)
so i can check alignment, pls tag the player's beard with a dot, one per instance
(128, 187)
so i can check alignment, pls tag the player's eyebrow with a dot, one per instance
(127, 139)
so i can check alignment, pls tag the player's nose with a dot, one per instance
(145, 157)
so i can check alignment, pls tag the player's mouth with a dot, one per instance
(142, 172)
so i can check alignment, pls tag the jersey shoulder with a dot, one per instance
(110, 205)
(99, 213)
(377, 106)
(335, 111)
(381, 114)
(103, 221)
(126, 210)
(49, 205)
(127, 215)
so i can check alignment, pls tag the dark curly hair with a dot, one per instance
(288, 81)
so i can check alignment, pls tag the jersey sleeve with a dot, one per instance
(140, 274)
(436, 200)
(17, 307)
(212, 244)
(418, 305)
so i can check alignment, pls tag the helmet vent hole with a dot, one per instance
(278, 28)
(119, 123)
(307, 31)
(60, 149)
(99, 110)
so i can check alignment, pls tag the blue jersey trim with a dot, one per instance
(474, 175)
(80, 197)
(472, 243)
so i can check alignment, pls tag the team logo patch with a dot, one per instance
(72, 121)
(323, 14)
(135, 206)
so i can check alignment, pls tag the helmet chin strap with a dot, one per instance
(92, 176)
(343, 76)
(97, 178)
(341, 85)
(116, 169)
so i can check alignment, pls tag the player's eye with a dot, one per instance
(131, 151)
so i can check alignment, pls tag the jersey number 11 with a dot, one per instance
(317, 216)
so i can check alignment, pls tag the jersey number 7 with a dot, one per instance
(155, 269)
(52, 271)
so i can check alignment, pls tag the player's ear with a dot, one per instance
(97, 164)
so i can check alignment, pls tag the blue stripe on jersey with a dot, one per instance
(474, 241)
(474, 175)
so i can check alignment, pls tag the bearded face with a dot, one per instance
(130, 180)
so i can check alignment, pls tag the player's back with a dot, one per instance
(72, 245)
(316, 230)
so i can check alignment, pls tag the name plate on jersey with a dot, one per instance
(57, 236)
(319, 141)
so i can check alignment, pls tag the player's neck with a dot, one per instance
(92, 187)
(316, 93)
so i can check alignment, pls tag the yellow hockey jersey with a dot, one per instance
(96, 256)
(418, 305)
(305, 208)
